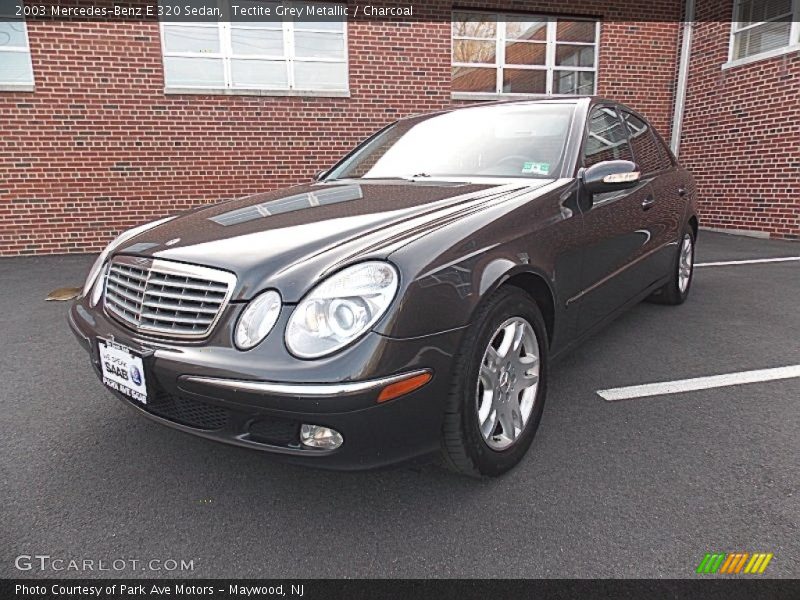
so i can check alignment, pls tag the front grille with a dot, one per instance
(166, 298)
(185, 411)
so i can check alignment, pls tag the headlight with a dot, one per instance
(99, 285)
(257, 320)
(115, 243)
(341, 309)
(95, 270)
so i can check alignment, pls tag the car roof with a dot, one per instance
(576, 100)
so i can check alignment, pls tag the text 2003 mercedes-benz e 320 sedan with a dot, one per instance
(408, 301)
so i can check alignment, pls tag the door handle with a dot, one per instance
(681, 192)
(648, 202)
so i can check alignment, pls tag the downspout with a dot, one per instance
(683, 77)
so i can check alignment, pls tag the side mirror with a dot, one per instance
(611, 176)
(319, 175)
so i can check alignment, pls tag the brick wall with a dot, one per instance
(741, 134)
(99, 147)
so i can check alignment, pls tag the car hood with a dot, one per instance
(291, 238)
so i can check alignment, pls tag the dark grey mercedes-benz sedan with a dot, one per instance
(406, 303)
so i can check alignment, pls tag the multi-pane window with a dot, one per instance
(763, 26)
(267, 55)
(15, 56)
(495, 53)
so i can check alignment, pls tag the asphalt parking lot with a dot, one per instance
(635, 488)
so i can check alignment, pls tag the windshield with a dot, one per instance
(520, 141)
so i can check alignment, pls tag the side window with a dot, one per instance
(607, 139)
(648, 150)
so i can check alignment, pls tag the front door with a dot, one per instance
(616, 261)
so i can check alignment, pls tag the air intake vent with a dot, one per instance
(186, 411)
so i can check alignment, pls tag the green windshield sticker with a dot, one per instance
(535, 168)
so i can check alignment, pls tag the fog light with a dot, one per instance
(316, 436)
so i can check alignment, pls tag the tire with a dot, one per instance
(465, 448)
(677, 289)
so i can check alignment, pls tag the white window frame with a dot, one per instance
(738, 27)
(500, 55)
(226, 55)
(19, 86)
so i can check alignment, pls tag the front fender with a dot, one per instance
(445, 273)
(448, 297)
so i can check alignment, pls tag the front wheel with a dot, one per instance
(498, 390)
(677, 289)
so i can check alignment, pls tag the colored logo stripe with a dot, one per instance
(734, 562)
(710, 563)
(758, 563)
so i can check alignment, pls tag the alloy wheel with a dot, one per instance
(685, 263)
(507, 383)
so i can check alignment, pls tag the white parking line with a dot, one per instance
(748, 262)
(698, 383)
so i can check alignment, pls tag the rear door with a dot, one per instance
(617, 236)
(662, 218)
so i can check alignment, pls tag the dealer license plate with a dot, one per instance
(123, 370)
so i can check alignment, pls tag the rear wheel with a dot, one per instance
(677, 289)
(497, 395)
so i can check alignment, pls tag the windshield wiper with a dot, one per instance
(411, 178)
(398, 177)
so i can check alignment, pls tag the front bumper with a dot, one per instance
(215, 391)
